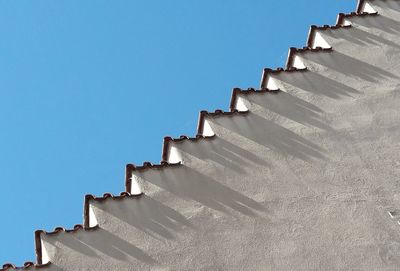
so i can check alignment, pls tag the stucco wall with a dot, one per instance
(308, 179)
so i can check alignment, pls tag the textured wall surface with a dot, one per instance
(308, 179)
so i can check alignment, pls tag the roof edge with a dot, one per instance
(293, 51)
(239, 91)
(89, 197)
(314, 28)
(77, 227)
(57, 230)
(168, 140)
(130, 168)
(268, 71)
(343, 16)
(216, 113)
(27, 265)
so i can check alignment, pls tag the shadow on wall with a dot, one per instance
(273, 136)
(319, 85)
(361, 37)
(291, 107)
(224, 153)
(51, 267)
(190, 184)
(382, 23)
(147, 215)
(393, 5)
(93, 243)
(350, 66)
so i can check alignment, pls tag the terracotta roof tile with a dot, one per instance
(27, 266)
(344, 16)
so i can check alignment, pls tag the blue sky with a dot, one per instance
(89, 86)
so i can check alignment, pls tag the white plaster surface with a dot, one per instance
(307, 180)
(319, 41)
(240, 105)
(207, 130)
(298, 63)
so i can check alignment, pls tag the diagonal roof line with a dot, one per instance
(167, 140)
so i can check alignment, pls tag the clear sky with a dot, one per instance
(89, 86)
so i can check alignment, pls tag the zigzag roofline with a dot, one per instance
(78, 227)
(310, 41)
(130, 168)
(340, 23)
(57, 230)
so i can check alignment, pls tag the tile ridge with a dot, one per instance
(27, 265)
(78, 227)
(168, 140)
(130, 168)
(57, 230)
(216, 113)
(268, 71)
(343, 16)
(339, 24)
(149, 165)
(294, 50)
(237, 91)
(89, 197)
(314, 28)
